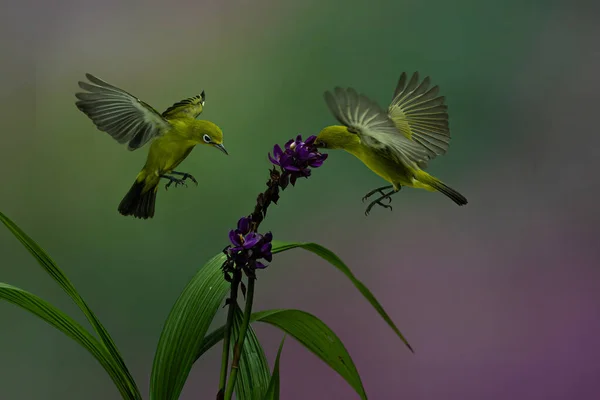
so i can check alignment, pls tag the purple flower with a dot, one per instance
(247, 247)
(296, 159)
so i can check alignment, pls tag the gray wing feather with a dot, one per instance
(123, 116)
(366, 118)
(420, 114)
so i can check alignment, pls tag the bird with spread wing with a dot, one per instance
(174, 134)
(396, 144)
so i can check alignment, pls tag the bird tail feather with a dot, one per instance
(139, 202)
(441, 187)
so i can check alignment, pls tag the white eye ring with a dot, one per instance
(206, 138)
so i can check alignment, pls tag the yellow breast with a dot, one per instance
(167, 152)
(390, 170)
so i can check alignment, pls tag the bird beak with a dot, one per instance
(222, 148)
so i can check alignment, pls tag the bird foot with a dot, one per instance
(378, 202)
(177, 181)
(185, 175)
(378, 190)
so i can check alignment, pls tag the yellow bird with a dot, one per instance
(129, 120)
(398, 144)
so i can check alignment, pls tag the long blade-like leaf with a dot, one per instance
(334, 260)
(184, 330)
(273, 389)
(313, 334)
(210, 340)
(69, 327)
(51, 268)
(252, 351)
(253, 377)
(318, 338)
(182, 341)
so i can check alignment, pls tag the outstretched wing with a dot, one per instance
(375, 128)
(123, 116)
(187, 108)
(420, 114)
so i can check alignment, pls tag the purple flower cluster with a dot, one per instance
(248, 247)
(296, 159)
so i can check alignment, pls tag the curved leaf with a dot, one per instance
(52, 269)
(183, 334)
(334, 260)
(210, 340)
(182, 341)
(273, 389)
(69, 327)
(318, 338)
(253, 376)
(313, 334)
(252, 351)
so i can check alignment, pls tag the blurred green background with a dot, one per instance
(499, 298)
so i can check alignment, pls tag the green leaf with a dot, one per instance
(182, 341)
(210, 340)
(183, 334)
(334, 260)
(69, 327)
(51, 268)
(253, 356)
(253, 376)
(318, 338)
(273, 389)
(313, 334)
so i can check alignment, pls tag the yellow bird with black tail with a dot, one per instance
(174, 134)
(396, 144)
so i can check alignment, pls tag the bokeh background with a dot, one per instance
(499, 298)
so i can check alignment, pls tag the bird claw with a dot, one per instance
(378, 190)
(378, 202)
(176, 181)
(386, 205)
(371, 193)
(179, 182)
(189, 176)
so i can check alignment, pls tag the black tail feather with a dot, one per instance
(442, 188)
(451, 193)
(138, 203)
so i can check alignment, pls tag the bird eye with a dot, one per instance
(206, 138)
(321, 144)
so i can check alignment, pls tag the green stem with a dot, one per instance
(237, 349)
(227, 335)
